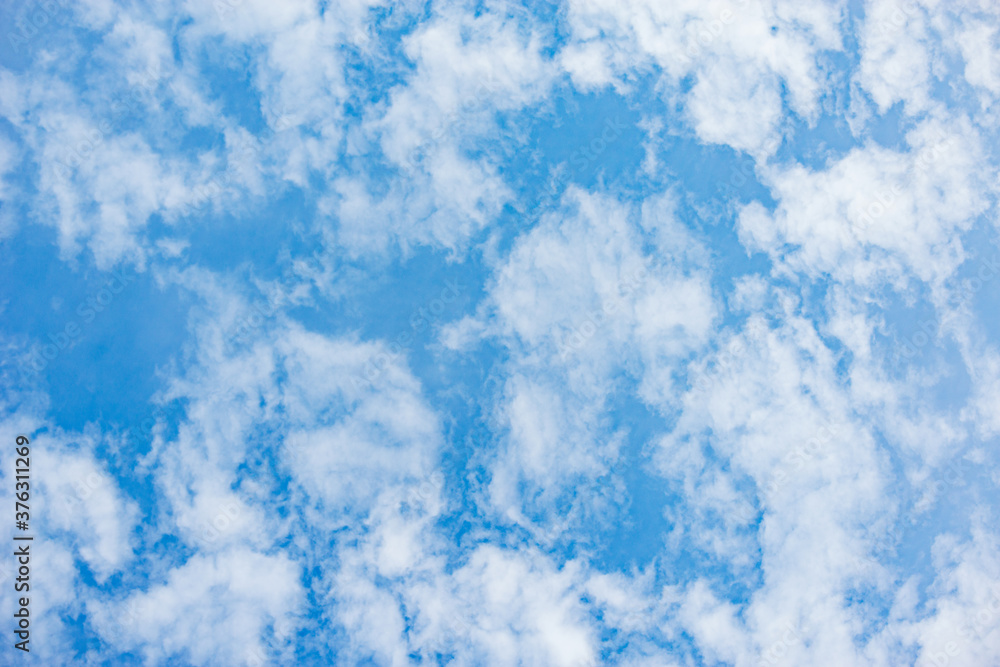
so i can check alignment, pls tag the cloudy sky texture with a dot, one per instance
(624, 332)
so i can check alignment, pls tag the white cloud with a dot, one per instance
(776, 414)
(83, 499)
(876, 215)
(908, 48)
(896, 56)
(738, 53)
(577, 301)
(387, 437)
(442, 208)
(962, 618)
(78, 517)
(500, 607)
(466, 71)
(212, 610)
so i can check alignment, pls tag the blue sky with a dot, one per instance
(479, 333)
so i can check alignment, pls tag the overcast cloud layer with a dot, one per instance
(623, 332)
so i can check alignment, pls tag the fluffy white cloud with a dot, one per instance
(387, 437)
(960, 623)
(467, 70)
(896, 56)
(500, 607)
(907, 48)
(213, 609)
(578, 301)
(443, 207)
(78, 516)
(740, 55)
(876, 215)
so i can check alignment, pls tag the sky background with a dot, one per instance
(622, 332)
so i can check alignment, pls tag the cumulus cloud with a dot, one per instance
(212, 609)
(876, 215)
(571, 325)
(739, 55)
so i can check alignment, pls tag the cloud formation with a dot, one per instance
(492, 333)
